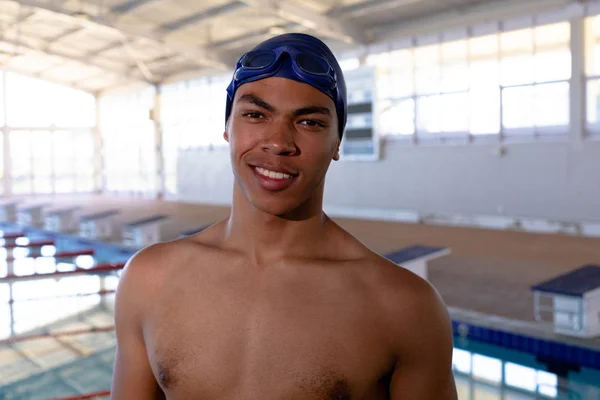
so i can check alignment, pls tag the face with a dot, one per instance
(283, 136)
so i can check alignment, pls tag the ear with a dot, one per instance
(226, 135)
(336, 155)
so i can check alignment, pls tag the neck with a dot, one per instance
(263, 236)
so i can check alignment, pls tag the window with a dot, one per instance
(64, 152)
(592, 72)
(45, 161)
(73, 161)
(507, 82)
(129, 142)
(83, 143)
(21, 155)
(41, 145)
(2, 163)
(193, 116)
(52, 105)
(349, 64)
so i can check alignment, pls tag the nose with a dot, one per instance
(280, 141)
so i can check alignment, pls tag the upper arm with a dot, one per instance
(424, 343)
(132, 374)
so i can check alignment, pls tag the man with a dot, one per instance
(277, 302)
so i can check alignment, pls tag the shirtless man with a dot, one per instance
(277, 302)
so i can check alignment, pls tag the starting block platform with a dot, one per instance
(571, 301)
(415, 258)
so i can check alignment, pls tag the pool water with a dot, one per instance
(485, 372)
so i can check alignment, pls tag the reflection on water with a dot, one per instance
(20, 252)
(85, 262)
(482, 376)
(22, 241)
(43, 301)
(48, 251)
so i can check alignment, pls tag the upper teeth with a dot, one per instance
(272, 174)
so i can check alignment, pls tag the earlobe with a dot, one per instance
(226, 136)
(336, 156)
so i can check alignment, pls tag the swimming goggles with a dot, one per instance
(308, 67)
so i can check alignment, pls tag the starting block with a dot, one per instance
(572, 301)
(415, 258)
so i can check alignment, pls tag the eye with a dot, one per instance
(252, 114)
(313, 123)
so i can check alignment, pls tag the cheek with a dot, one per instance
(240, 138)
(320, 153)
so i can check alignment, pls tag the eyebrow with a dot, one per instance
(253, 99)
(312, 110)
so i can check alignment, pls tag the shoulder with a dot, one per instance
(149, 270)
(155, 260)
(410, 308)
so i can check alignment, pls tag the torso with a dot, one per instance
(220, 329)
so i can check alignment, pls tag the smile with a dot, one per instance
(272, 174)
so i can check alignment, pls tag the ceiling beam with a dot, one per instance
(124, 72)
(129, 6)
(69, 32)
(201, 16)
(324, 25)
(251, 37)
(15, 24)
(358, 10)
(110, 46)
(196, 54)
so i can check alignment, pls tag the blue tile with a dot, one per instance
(514, 341)
(541, 347)
(586, 357)
(547, 348)
(595, 360)
(501, 337)
(522, 343)
(536, 347)
(505, 339)
(578, 356)
(570, 354)
(555, 349)
(561, 351)
(534, 342)
(486, 335)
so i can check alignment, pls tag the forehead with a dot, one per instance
(286, 93)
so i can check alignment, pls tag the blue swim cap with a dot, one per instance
(296, 56)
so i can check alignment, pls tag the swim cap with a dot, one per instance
(296, 56)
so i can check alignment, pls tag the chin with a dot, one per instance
(279, 207)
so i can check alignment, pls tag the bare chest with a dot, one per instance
(243, 343)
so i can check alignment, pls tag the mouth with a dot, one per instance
(273, 180)
(268, 173)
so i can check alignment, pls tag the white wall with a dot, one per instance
(555, 181)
